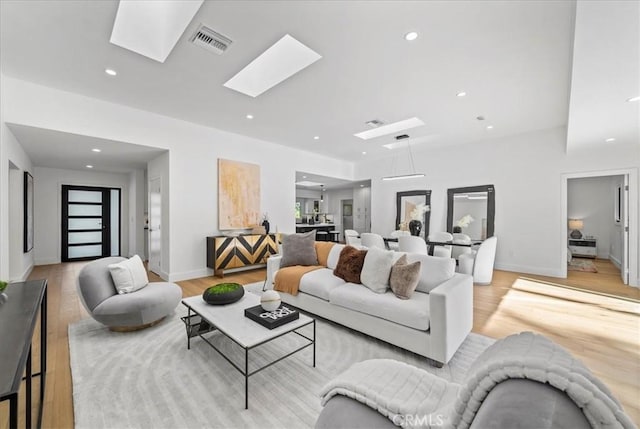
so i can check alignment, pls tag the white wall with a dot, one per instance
(527, 171)
(48, 207)
(194, 151)
(14, 263)
(591, 199)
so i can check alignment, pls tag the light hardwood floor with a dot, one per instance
(603, 332)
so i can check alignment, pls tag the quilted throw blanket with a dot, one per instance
(398, 390)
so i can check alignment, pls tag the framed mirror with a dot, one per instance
(471, 211)
(412, 204)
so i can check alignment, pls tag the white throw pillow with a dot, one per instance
(377, 268)
(129, 276)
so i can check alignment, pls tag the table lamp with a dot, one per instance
(576, 225)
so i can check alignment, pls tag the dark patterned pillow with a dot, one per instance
(404, 278)
(299, 249)
(350, 264)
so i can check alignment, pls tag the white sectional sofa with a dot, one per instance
(433, 323)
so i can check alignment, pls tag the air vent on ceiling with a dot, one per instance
(210, 40)
(374, 123)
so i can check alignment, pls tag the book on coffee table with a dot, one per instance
(272, 319)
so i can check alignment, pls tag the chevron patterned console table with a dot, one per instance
(224, 253)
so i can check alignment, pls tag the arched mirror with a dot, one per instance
(471, 211)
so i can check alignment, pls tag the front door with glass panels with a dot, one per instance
(90, 222)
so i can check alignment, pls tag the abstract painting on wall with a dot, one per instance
(238, 194)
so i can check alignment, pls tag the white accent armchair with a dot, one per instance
(479, 263)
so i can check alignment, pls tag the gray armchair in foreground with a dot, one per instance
(125, 312)
(522, 381)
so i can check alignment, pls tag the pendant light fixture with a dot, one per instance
(413, 174)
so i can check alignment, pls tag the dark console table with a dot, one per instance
(17, 323)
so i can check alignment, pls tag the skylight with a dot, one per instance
(153, 27)
(390, 128)
(281, 61)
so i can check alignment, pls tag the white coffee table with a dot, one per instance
(230, 320)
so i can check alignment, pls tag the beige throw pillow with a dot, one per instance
(404, 277)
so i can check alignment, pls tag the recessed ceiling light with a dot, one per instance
(304, 177)
(282, 60)
(636, 98)
(89, 166)
(364, 153)
(489, 127)
(412, 35)
(392, 128)
(316, 137)
(249, 116)
(110, 72)
(362, 186)
(96, 150)
(461, 94)
(610, 139)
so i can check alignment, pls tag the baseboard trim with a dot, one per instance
(23, 277)
(47, 261)
(615, 261)
(188, 275)
(530, 270)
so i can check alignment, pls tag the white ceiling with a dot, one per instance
(606, 72)
(512, 58)
(55, 149)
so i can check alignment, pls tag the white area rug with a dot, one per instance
(148, 378)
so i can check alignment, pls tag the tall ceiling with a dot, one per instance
(512, 58)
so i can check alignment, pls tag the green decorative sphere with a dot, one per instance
(223, 293)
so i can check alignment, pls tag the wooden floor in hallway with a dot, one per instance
(607, 280)
(602, 331)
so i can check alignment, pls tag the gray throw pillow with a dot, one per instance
(404, 277)
(299, 249)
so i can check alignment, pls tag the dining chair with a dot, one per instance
(372, 240)
(456, 251)
(352, 238)
(396, 234)
(441, 251)
(479, 263)
(413, 244)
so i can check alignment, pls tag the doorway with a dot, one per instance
(91, 224)
(600, 221)
(347, 215)
(155, 232)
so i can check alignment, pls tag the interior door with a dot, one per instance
(90, 223)
(155, 232)
(347, 215)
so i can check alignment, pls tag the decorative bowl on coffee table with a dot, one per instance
(223, 293)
